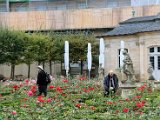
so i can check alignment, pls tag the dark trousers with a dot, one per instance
(42, 89)
(107, 91)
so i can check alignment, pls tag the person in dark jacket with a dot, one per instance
(110, 82)
(41, 81)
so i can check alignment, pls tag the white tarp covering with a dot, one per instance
(89, 57)
(101, 51)
(144, 2)
(66, 56)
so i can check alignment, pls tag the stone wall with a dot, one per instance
(22, 70)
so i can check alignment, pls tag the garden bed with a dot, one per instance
(75, 99)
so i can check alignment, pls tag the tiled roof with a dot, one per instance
(136, 25)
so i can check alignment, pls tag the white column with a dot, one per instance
(141, 48)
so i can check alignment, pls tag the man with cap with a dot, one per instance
(110, 82)
(41, 81)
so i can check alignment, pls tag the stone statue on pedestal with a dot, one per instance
(128, 67)
(150, 72)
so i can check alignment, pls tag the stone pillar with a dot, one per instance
(141, 50)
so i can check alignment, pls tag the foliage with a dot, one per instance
(56, 46)
(41, 46)
(77, 45)
(2, 38)
(30, 49)
(75, 99)
(17, 47)
(12, 45)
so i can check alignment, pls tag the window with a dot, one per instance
(158, 49)
(18, 1)
(119, 51)
(112, 3)
(82, 5)
(124, 3)
(152, 61)
(21, 9)
(40, 8)
(158, 62)
(3, 9)
(37, 5)
(20, 6)
(151, 50)
(61, 7)
(38, 0)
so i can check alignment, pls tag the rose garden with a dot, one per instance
(77, 98)
(70, 97)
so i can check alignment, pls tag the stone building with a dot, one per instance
(142, 40)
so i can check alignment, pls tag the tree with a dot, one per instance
(30, 51)
(77, 46)
(2, 47)
(41, 41)
(13, 46)
(56, 48)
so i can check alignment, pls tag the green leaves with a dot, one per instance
(11, 46)
(18, 47)
(77, 45)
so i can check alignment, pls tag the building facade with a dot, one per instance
(142, 41)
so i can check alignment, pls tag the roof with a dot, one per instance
(136, 25)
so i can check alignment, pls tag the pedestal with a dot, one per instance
(128, 90)
(156, 84)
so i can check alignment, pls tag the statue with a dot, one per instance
(128, 67)
(100, 72)
(150, 72)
